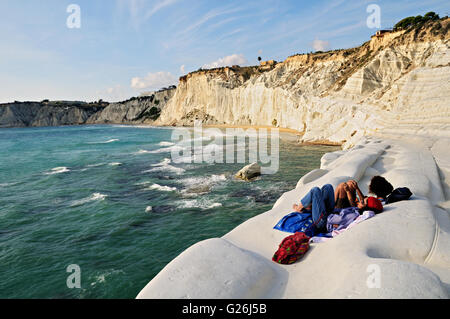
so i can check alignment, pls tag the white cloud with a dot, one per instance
(207, 17)
(320, 45)
(235, 59)
(139, 10)
(160, 5)
(153, 81)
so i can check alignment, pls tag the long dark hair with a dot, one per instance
(380, 187)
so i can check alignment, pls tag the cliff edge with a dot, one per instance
(399, 81)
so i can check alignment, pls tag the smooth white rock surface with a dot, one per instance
(409, 242)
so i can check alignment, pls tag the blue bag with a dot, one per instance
(297, 223)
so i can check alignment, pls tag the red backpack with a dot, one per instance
(291, 249)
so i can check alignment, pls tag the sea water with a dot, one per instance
(110, 200)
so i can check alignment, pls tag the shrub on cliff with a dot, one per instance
(417, 21)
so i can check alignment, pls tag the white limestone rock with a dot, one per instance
(408, 244)
(249, 172)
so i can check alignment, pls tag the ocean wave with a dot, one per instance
(174, 148)
(162, 188)
(199, 203)
(166, 168)
(142, 183)
(195, 186)
(165, 162)
(168, 149)
(57, 170)
(141, 152)
(106, 142)
(115, 164)
(166, 144)
(4, 185)
(93, 197)
(212, 179)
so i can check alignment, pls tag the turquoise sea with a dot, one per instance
(110, 200)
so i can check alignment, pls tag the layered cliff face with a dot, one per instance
(399, 82)
(144, 109)
(23, 114)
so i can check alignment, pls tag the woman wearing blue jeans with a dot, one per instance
(321, 202)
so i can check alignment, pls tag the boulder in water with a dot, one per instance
(249, 172)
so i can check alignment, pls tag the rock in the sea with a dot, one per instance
(249, 172)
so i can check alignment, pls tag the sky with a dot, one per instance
(116, 49)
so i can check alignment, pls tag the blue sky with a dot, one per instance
(125, 47)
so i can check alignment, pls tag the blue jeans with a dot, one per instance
(322, 202)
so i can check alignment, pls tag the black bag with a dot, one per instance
(399, 194)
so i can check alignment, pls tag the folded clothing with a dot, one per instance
(341, 221)
(320, 238)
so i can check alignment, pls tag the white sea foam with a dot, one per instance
(199, 203)
(115, 164)
(57, 170)
(174, 148)
(166, 144)
(93, 197)
(102, 278)
(213, 179)
(165, 167)
(141, 152)
(106, 142)
(143, 183)
(148, 209)
(165, 162)
(196, 186)
(162, 188)
(3, 185)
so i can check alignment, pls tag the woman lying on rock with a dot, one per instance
(346, 195)
(324, 201)
(324, 210)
